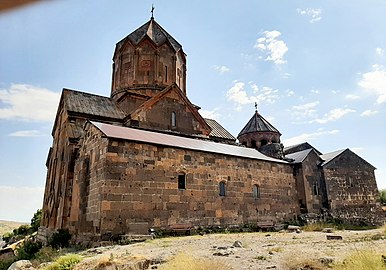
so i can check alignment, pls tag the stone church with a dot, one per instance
(144, 157)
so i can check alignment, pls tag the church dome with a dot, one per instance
(258, 132)
(155, 32)
(258, 124)
(147, 61)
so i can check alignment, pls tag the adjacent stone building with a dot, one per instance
(145, 158)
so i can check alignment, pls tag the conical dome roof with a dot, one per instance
(155, 32)
(258, 124)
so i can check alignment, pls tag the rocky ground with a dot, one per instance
(241, 251)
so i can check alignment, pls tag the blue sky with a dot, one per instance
(317, 70)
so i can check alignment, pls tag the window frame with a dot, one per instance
(256, 192)
(174, 119)
(222, 188)
(181, 181)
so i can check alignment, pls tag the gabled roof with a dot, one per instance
(298, 157)
(299, 147)
(144, 136)
(333, 155)
(330, 156)
(257, 124)
(173, 87)
(90, 104)
(218, 130)
(155, 32)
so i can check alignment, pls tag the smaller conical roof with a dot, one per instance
(257, 124)
(155, 32)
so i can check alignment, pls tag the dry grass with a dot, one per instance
(301, 262)
(186, 262)
(8, 226)
(363, 260)
(114, 262)
(316, 227)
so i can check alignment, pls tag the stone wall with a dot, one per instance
(313, 184)
(159, 116)
(352, 190)
(138, 188)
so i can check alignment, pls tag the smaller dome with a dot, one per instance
(258, 124)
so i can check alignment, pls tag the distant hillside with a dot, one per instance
(8, 226)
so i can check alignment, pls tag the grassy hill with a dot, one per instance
(8, 226)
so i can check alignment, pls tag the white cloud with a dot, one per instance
(306, 106)
(286, 75)
(368, 113)
(333, 115)
(23, 202)
(314, 91)
(380, 51)
(314, 14)
(272, 47)
(305, 110)
(308, 137)
(352, 97)
(221, 69)
(28, 103)
(290, 93)
(375, 82)
(213, 114)
(240, 97)
(26, 133)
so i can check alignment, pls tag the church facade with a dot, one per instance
(145, 158)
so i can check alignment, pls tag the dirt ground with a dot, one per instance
(268, 250)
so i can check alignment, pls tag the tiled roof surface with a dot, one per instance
(299, 147)
(90, 104)
(180, 142)
(155, 32)
(298, 157)
(257, 124)
(330, 156)
(218, 130)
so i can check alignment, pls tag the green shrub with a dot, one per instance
(35, 221)
(28, 250)
(46, 254)
(60, 239)
(7, 237)
(65, 262)
(22, 230)
(6, 263)
(382, 195)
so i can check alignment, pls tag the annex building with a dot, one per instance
(145, 158)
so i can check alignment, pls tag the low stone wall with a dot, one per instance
(365, 215)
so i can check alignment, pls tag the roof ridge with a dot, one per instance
(258, 123)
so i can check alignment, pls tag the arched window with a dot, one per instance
(222, 188)
(181, 181)
(174, 119)
(315, 189)
(256, 191)
(253, 144)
